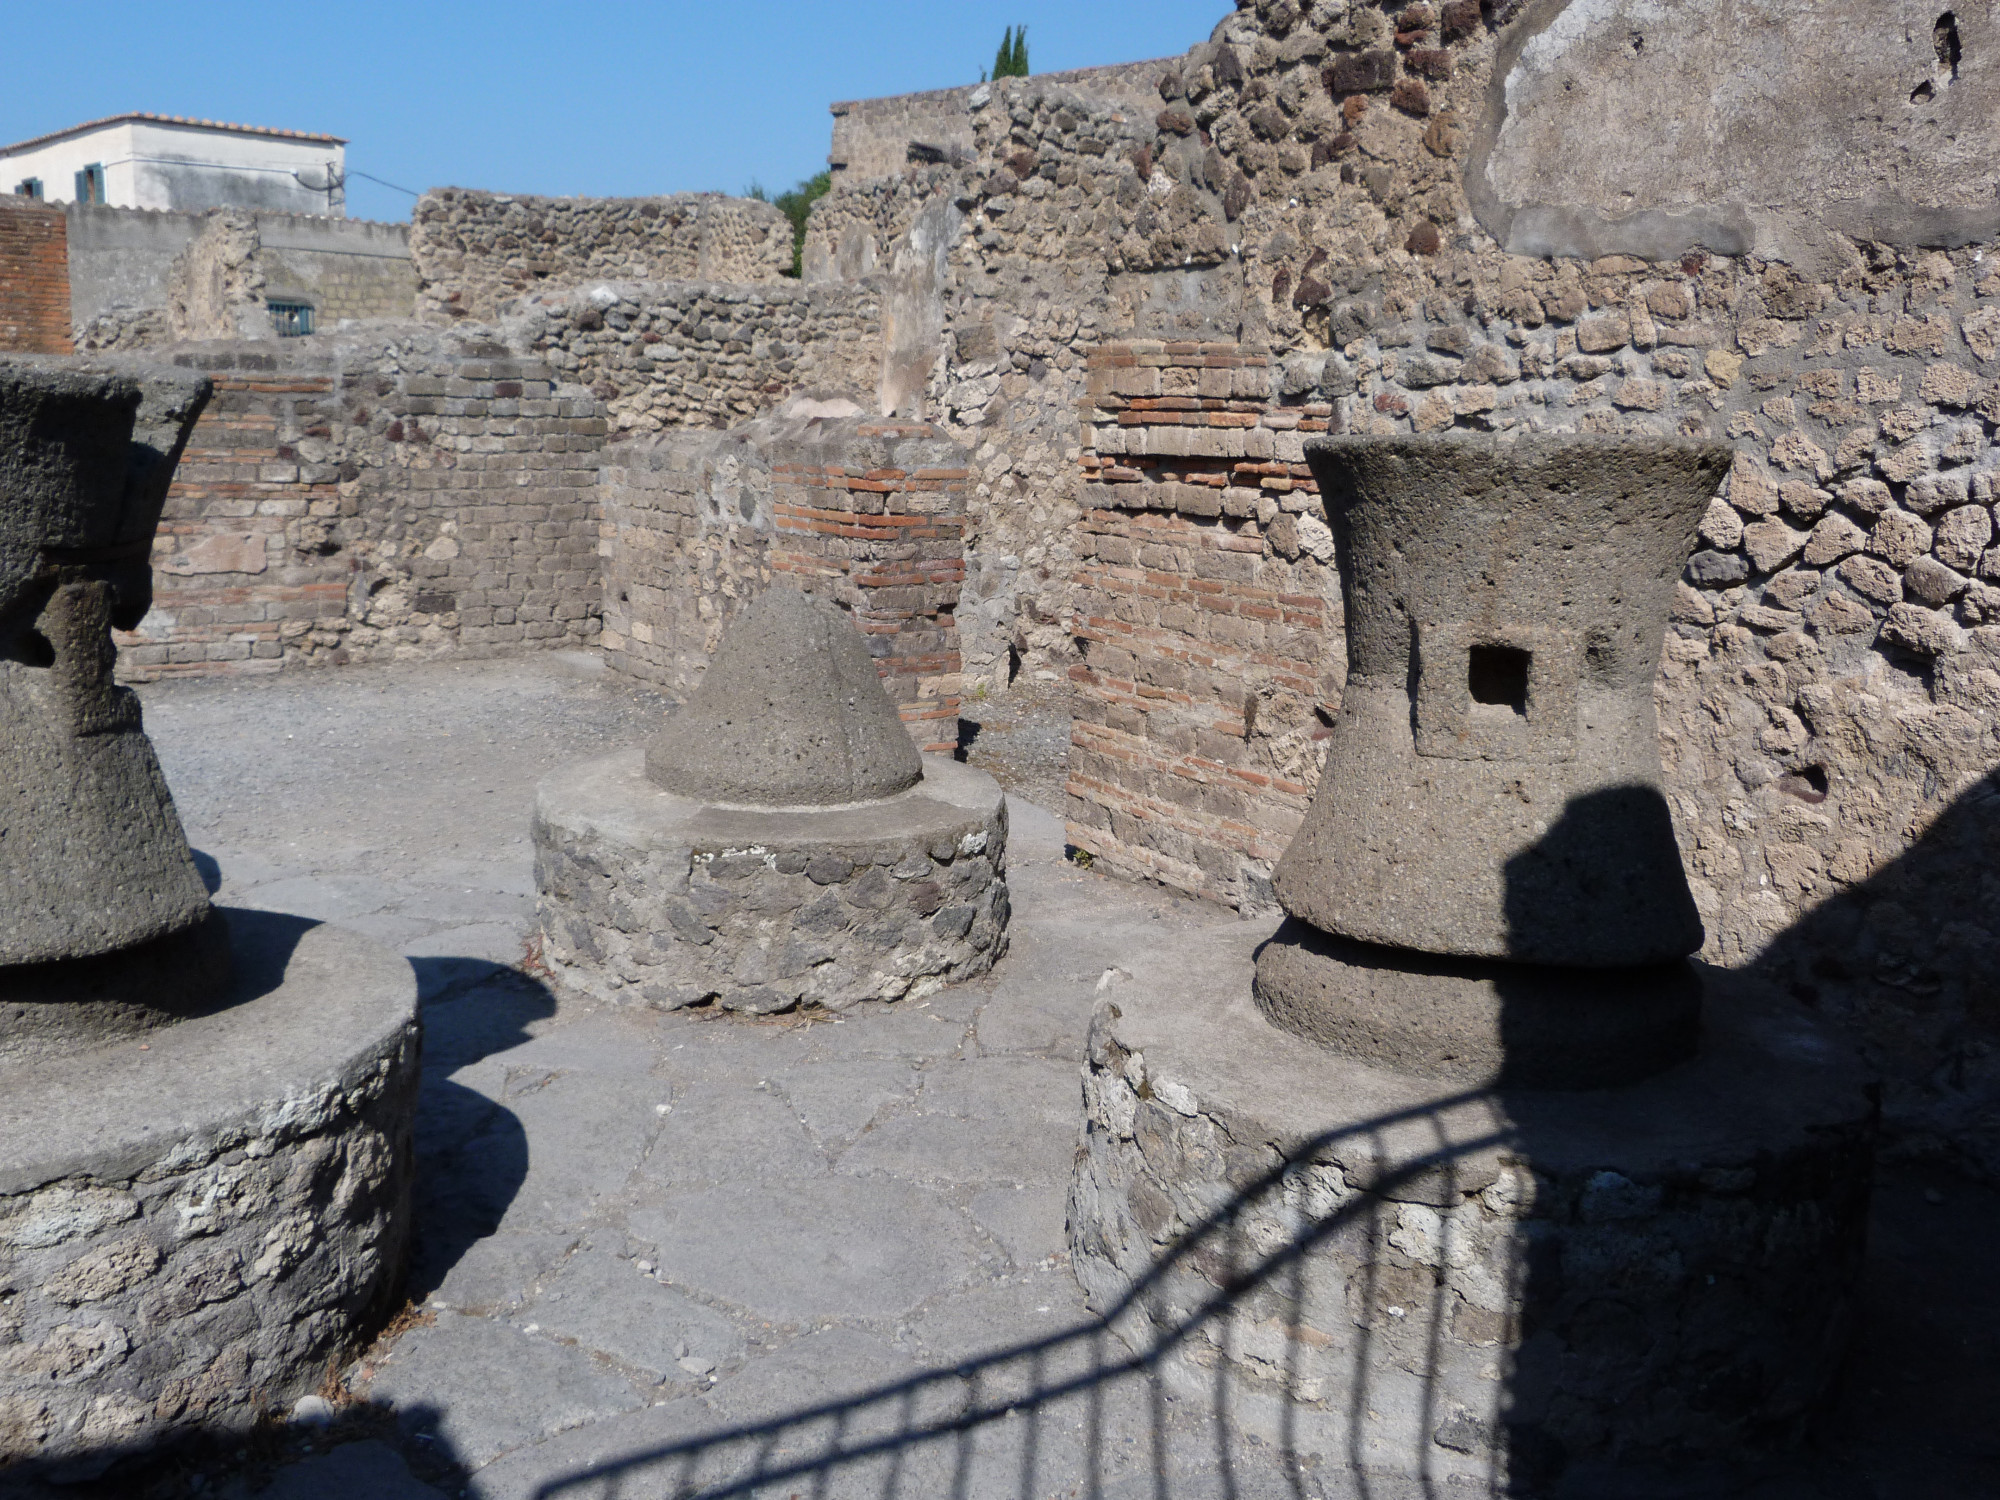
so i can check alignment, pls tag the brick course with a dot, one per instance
(34, 278)
(1210, 636)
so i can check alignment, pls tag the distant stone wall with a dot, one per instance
(662, 355)
(122, 269)
(870, 510)
(34, 279)
(880, 137)
(391, 499)
(346, 268)
(476, 251)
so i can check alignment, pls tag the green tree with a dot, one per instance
(796, 205)
(1011, 61)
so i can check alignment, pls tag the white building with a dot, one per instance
(162, 161)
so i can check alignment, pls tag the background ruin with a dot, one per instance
(1131, 308)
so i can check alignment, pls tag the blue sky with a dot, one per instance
(593, 97)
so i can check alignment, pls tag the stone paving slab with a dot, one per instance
(574, 1237)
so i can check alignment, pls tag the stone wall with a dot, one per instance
(869, 509)
(663, 355)
(880, 137)
(393, 491)
(123, 265)
(345, 268)
(1332, 187)
(849, 234)
(1831, 695)
(476, 251)
(34, 279)
(400, 496)
(1042, 268)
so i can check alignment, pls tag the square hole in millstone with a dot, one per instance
(1498, 676)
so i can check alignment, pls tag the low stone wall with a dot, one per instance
(1486, 1290)
(385, 499)
(651, 899)
(230, 1212)
(871, 510)
(663, 355)
(1207, 615)
(475, 251)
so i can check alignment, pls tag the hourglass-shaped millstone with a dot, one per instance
(1487, 885)
(105, 924)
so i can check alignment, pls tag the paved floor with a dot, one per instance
(642, 1233)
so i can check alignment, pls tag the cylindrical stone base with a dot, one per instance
(1482, 1288)
(190, 1227)
(57, 1008)
(1478, 1021)
(652, 899)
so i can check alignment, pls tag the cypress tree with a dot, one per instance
(1011, 61)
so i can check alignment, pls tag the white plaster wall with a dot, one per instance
(58, 162)
(149, 164)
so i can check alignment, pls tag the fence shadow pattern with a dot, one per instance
(1089, 1411)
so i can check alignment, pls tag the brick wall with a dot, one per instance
(372, 502)
(1207, 615)
(870, 511)
(889, 527)
(34, 278)
(231, 565)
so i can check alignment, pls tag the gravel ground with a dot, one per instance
(637, 1232)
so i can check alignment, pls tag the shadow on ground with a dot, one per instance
(472, 1152)
(1083, 1413)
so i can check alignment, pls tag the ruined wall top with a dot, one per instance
(880, 137)
(474, 251)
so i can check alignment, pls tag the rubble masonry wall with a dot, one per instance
(474, 251)
(1830, 697)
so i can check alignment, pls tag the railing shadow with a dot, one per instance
(1058, 1399)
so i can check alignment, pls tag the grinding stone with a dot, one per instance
(791, 713)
